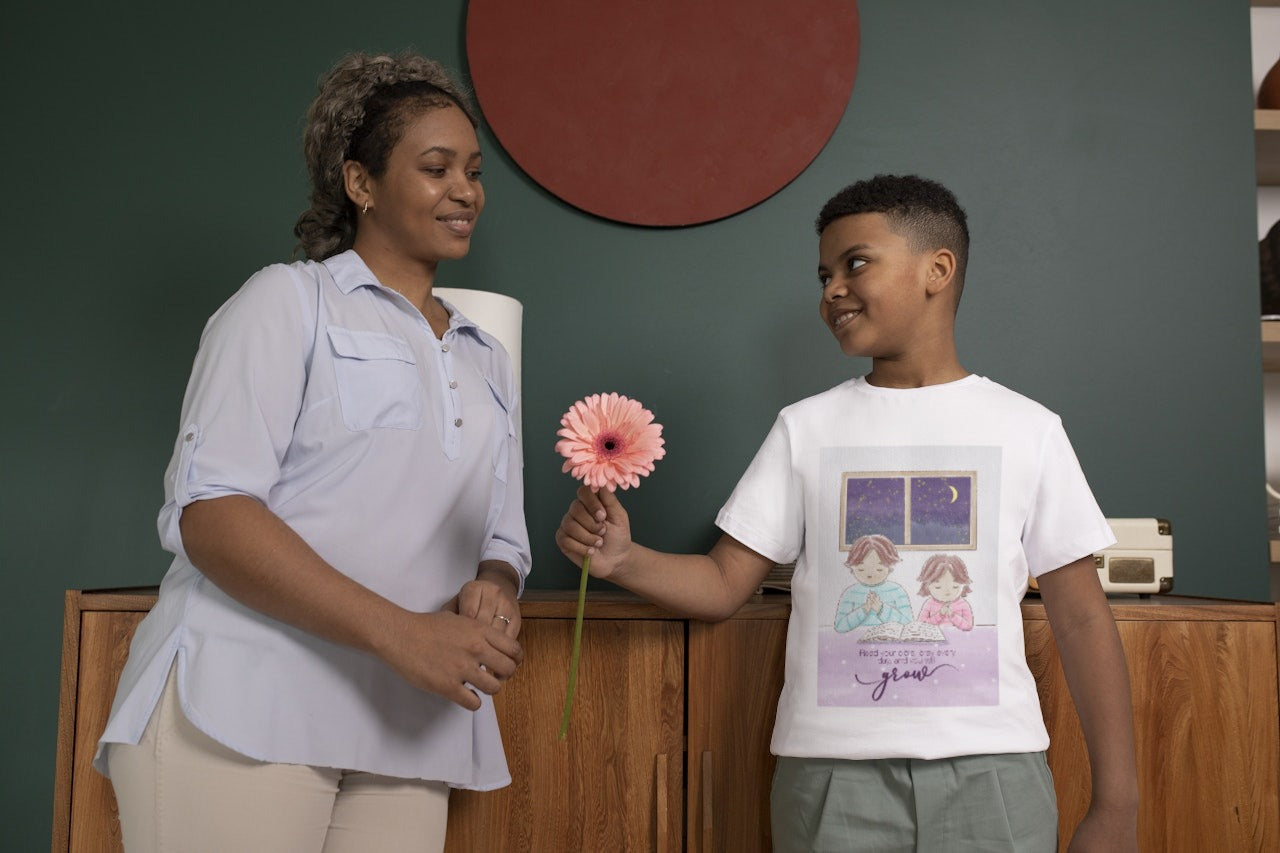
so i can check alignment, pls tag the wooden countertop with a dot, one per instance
(611, 604)
(777, 605)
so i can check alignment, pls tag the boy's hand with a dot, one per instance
(596, 525)
(1113, 831)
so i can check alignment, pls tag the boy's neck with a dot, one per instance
(887, 373)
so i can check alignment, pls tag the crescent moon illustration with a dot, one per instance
(954, 494)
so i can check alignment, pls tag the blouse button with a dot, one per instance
(453, 383)
(458, 422)
(444, 348)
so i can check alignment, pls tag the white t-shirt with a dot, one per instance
(976, 477)
(328, 398)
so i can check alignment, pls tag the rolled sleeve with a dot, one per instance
(242, 400)
(509, 541)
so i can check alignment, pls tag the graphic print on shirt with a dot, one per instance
(908, 585)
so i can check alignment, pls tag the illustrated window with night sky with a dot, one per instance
(915, 510)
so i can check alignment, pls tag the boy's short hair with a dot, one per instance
(923, 211)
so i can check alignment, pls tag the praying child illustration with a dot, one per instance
(873, 600)
(944, 581)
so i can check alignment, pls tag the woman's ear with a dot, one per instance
(356, 181)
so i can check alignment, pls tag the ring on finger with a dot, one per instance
(503, 618)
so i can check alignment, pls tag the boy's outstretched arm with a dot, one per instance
(1094, 665)
(711, 586)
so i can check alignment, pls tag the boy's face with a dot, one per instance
(874, 286)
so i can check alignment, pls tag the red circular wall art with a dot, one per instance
(662, 112)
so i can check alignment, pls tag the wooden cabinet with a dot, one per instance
(668, 745)
(616, 781)
(1205, 693)
(96, 631)
(1203, 676)
(735, 676)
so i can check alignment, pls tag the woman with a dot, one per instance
(345, 508)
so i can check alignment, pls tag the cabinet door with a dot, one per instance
(735, 676)
(1204, 696)
(103, 647)
(615, 783)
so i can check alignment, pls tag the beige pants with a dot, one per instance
(180, 791)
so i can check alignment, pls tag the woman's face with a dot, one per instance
(424, 206)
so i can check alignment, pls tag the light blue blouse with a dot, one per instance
(394, 454)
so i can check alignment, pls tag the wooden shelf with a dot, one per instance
(1271, 344)
(1266, 142)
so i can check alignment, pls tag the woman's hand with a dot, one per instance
(490, 599)
(450, 654)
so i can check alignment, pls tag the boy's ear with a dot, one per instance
(941, 272)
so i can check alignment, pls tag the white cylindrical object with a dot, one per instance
(499, 315)
(496, 313)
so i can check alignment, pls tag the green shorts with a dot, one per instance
(973, 803)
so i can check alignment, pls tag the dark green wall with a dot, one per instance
(1103, 151)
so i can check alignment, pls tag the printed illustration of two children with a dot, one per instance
(875, 600)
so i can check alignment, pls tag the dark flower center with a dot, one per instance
(608, 445)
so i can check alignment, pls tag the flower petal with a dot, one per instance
(634, 441)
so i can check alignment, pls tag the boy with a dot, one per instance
(896, 745)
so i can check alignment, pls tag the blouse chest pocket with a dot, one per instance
(504, 428)
(377, 379)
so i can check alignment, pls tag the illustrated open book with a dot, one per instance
(904, 632)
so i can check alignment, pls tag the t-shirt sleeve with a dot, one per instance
(766, 510)
(242, 399)
(1065, 522)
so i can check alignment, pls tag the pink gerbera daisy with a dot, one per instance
(608, 441)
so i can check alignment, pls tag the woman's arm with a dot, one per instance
(257, 559)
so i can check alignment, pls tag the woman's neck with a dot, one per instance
(412, 279)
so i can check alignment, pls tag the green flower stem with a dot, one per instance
(577, 647)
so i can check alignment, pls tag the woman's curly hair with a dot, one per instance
(365, 103)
